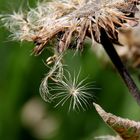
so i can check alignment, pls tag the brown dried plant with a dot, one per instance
(71, 22)
(67, 23)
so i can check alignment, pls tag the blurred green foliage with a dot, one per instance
(20, 78)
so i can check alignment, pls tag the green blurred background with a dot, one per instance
(23, 113)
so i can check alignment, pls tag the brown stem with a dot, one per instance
(110, 50)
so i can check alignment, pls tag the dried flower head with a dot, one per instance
(71, 21)
(67, 23)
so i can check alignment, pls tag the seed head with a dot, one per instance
(67, 23)
(63, 87)
(71, 21)
(72, 90)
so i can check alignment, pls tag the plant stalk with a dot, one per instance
(110, 50)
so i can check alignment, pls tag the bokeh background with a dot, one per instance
(23, 113)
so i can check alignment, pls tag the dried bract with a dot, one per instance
(125, 128)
